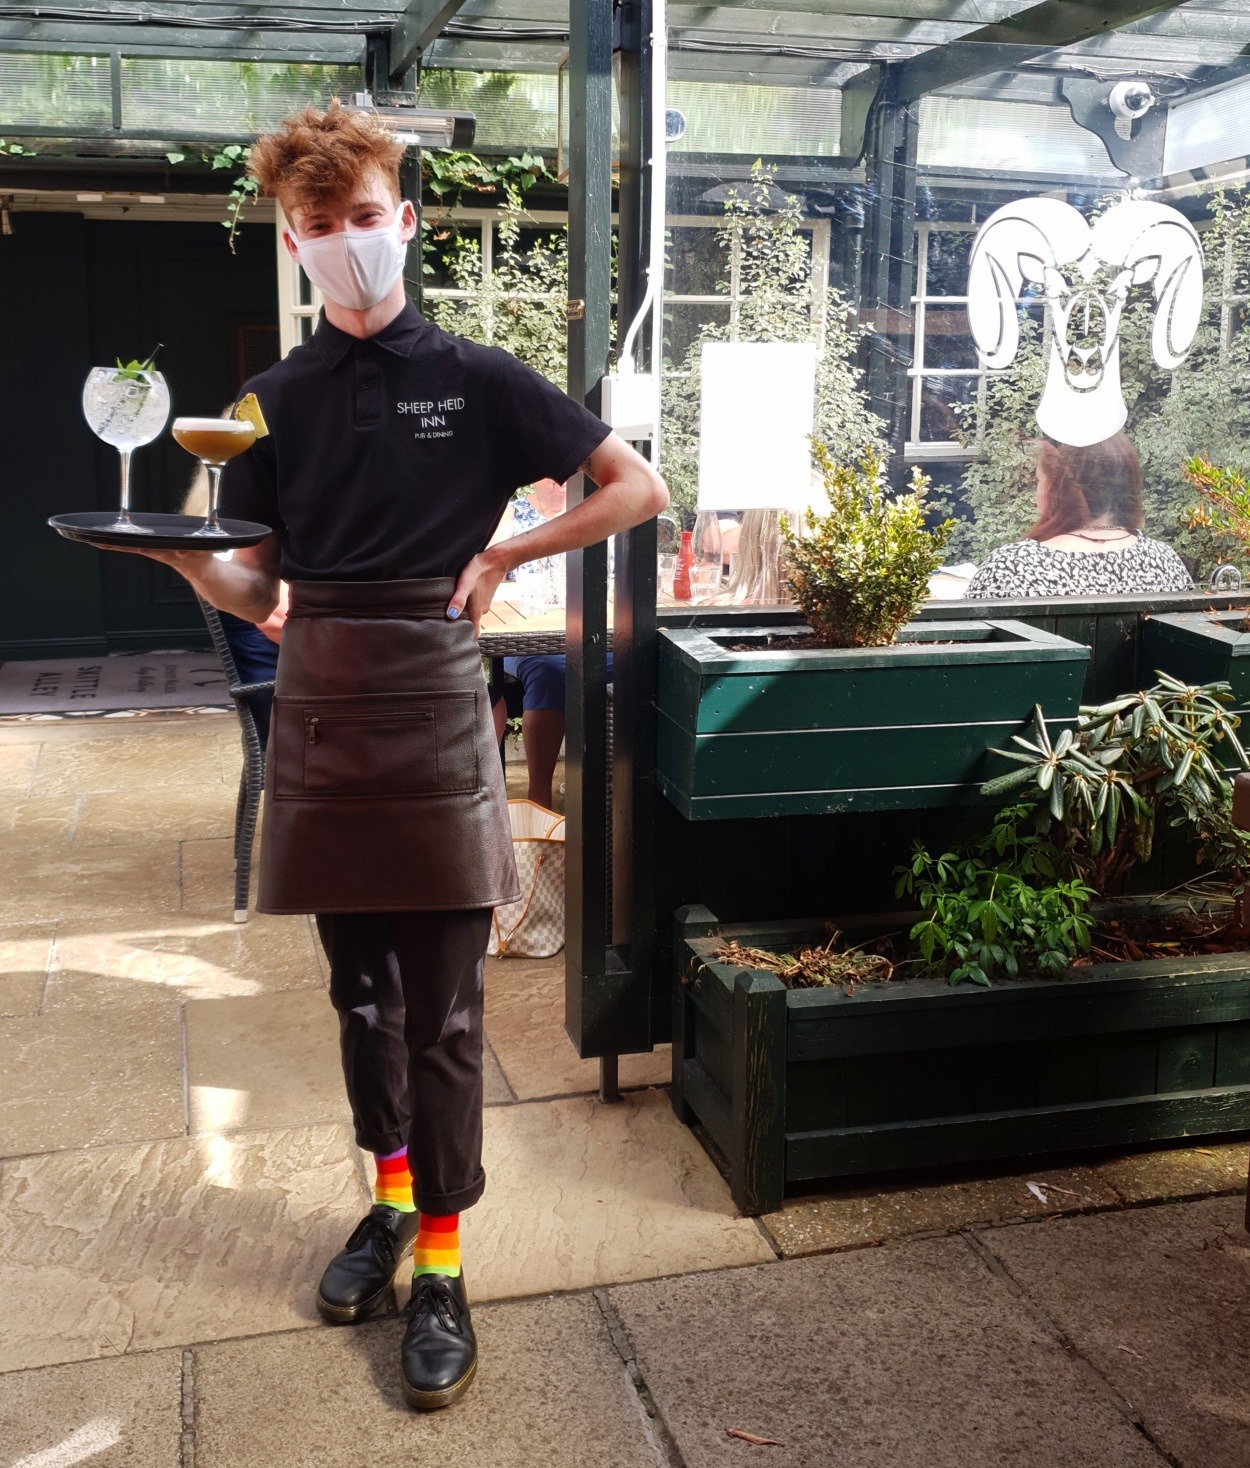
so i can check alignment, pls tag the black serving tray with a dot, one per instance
(169, 532)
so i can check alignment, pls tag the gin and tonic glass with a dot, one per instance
(126, 407)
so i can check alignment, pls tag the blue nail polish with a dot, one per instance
(453, 611)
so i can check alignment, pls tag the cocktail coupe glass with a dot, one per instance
(214, 442)
(126, 407)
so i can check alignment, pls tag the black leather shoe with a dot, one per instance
(439, 1355)
(356, 1281)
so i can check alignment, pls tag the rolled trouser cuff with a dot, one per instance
(441, 1204)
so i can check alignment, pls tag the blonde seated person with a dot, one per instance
(1087, 540)
(254, 646)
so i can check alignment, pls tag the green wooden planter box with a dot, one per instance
(1200, 647)
(813, 731)
(794, 1085)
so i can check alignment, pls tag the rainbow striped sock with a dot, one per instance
(394, 1184)
(437, 1249)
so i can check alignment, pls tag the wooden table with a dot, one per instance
(509, 629)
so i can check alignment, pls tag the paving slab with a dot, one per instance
(111, 962)
(25, 951)
(17, 767)
(495, 1088)
(264, 1062)
(179, 815)
(1158, 1299)
(118, 760)
(550, 1390)
(207, 868)
(854, 1216)
(38, 824)
(78, 1079)
(125, 1413)
(525, 1023)
(1178, 1172)
(579, 1194)
(909, 1356)
(147, 1247)
(107, 881)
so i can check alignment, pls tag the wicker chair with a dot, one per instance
(252, 780)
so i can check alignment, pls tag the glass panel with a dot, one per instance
(949, 253)
(939, 397)
(947, 338)
(512, 110)
(304, 290)
(698, 262)
(224, 96)
(683, 325)
(734, 118)
(56, 91)
(1089, 351)
(534, 258)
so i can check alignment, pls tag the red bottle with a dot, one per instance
(681, 571)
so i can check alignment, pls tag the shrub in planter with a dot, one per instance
(998, 906)
(1105, 784)
(881, 713)
(861, 571)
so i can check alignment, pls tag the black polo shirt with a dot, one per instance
(393, 458)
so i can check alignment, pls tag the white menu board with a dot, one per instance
(755, 423)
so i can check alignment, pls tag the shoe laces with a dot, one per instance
(371, 1228)
(431, 1295)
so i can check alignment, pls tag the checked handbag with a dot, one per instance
(534, 926)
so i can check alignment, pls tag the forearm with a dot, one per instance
(246, 591)
(614, 507)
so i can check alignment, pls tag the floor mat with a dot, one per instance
(139, 680)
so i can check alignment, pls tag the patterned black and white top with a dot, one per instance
(1029, 568)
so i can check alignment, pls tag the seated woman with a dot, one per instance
(1087, 540)
(254, 647)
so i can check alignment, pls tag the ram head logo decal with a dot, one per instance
(1086, 275)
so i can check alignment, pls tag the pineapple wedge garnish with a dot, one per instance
(248, 409)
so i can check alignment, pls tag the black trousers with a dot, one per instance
(408, 990)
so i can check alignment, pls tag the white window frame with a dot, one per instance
(481, 220)
(299, 301)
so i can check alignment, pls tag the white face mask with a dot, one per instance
(355, 267)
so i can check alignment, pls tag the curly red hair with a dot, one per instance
(316, 157)
(1077, 485)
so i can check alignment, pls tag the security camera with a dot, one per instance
(1131, 100)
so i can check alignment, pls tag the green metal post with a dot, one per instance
(588, 980)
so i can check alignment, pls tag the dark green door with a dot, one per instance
(79, 293)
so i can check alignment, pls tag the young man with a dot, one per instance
(393, 450)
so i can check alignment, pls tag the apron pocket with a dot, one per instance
(377, 746)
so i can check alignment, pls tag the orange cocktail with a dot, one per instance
(214, 441)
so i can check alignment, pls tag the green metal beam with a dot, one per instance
(64, 38)
(416, 30)
(1041, 28)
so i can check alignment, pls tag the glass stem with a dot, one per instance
(214, 492)
(124, 516)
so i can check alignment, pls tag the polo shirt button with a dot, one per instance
(368, 394)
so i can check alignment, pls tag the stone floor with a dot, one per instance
(175, 1167)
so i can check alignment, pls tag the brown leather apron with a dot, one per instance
(383, 786)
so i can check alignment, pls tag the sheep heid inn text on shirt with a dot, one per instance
(432, 415)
